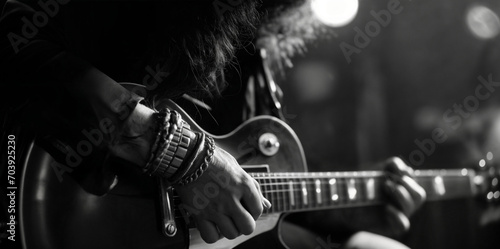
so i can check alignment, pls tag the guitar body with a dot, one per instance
(61, 214)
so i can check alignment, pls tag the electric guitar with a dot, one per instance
(57, 213)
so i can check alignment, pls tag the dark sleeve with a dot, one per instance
(37, 64)
(33, 62)
(32, 43)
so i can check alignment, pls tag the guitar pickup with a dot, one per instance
(256, 168)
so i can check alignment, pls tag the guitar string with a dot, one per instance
(286, 182)
(357, 175)
(354, 177)
(299, 183)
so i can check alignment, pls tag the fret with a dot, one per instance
(351, 189)
(303, 187)
(370, 188)
(298, 191)
(345, 191)
(327, 197)
(291, 193)
(297, 194)
(276, 199)
(358, 187)
(333, 190)
(438, 185)
(446, 184)
(286, 193)
(338, 186)
(317, 186)
(275, 193)
(325, 191)
(263, 187)
(340, 190)
(304, 192)
(362, 189)
(283, 195)
(311, 192)
(288, 187)
(269, 193)
(290, 197)
(311, 186)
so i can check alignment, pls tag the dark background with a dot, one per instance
(394, 91)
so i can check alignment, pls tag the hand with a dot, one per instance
(405, 195)
(224, 200)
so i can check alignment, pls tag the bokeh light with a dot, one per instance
(483, 22)
(335, 13)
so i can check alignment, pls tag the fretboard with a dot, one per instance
(289, 192)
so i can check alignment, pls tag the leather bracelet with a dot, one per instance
(164, 143)
(200, 148)
(176, 146)
(161, 155)
(162, 120)
(170, 151)
(207, 160)
(165, 137)
(177, 151)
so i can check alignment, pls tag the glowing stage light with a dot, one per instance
(483, 22)
(335, 13)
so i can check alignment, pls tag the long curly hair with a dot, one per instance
(196, 41)
(286, 29)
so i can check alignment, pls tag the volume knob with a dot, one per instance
(269, 144)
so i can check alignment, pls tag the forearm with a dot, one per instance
(95, 99)
(105, 99)
(41, 61)
(93, 92)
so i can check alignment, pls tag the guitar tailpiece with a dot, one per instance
(169, 226)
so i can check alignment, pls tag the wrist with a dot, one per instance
(173, 144)
(178, 154)
(133, 141)
(140, 123)
(200, 161)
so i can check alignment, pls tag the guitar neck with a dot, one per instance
(292, 192)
